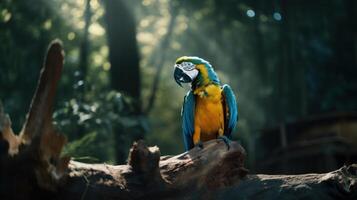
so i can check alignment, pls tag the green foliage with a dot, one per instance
(26, 28)
(91, 125)
(90, 144)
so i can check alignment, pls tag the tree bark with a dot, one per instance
(31, 166)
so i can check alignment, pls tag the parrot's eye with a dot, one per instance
(187, 66)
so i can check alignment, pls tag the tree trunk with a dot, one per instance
(84, 49)
(32, 168)
(123, 51)
(124, 60)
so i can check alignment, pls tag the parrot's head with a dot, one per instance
(195, 70)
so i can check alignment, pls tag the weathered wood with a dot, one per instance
(39, 117)
(31, 162)
(339, 184)
(210, 173)
(144, 176)
(13, 141)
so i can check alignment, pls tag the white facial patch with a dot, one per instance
(188, 68)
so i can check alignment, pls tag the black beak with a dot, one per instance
(181, 77)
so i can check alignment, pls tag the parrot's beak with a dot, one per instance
(181, 77)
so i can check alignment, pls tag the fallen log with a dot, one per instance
(147, 175)
(31, 166)
(211, 173)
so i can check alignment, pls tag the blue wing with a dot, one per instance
(231, 118)
(188, 117)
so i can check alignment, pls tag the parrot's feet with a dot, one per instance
(226, 140)
(199, 144)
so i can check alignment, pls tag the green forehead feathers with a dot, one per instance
(192, 59)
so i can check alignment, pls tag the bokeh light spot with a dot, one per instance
(146, 2)
(48, 24)
(106, 66)
(71, 36)
(96, 29)
(250, 13)
(277, 16)
(6, 15)
(144, 23)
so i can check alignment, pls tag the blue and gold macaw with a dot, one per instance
(209, 110)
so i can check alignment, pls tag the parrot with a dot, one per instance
(210, 109)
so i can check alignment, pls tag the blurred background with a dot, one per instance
(292, 64)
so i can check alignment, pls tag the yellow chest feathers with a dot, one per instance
(209, 122)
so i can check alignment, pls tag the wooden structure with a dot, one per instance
(315, 144)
